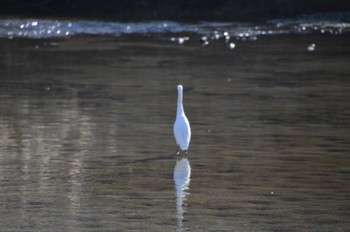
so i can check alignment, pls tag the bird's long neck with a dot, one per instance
(180, 108)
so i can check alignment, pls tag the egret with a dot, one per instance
(182, 129)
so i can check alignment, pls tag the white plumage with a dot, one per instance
(182, 129)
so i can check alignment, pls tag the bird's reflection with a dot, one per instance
(182, 174)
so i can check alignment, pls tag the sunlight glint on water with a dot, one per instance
(87, 142)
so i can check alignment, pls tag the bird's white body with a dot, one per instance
(182, 129)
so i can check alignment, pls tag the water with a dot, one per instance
(87, 145)
(40, 29)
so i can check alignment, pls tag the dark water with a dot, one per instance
(87, 145)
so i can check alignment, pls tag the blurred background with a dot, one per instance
(178, 10)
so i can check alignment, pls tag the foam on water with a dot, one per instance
(40, 29)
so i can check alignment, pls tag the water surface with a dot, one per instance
(87, 145)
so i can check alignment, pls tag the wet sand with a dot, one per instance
(87, 145)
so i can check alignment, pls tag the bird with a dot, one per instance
(182, 129)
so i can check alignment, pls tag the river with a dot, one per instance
(86, 127)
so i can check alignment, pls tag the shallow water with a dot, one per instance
(87, 145)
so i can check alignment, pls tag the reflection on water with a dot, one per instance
(182, 175)
(85, 126)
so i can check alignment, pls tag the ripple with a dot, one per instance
(211, 31)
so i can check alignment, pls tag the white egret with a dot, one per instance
(182, 129)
